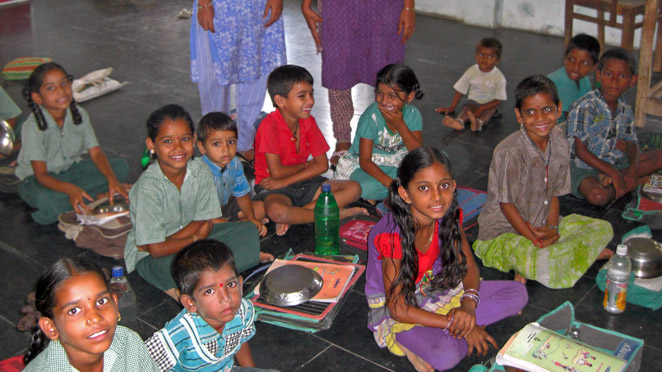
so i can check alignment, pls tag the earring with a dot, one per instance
(119, 317)
(151, 152)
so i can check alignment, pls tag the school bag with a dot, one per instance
(107, 239)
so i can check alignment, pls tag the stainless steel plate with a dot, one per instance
(646, 257)
(290, 285)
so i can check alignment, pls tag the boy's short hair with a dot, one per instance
(215, 121)
(587, 43)
(190, 262)
(282, 78)
(533, 85)
(619, 53)
(492, 43)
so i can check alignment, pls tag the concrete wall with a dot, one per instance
(542, 16)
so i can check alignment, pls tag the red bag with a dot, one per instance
(355, 233)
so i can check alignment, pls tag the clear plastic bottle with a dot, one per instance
(618, 277)
(327, 223)
(125, 294)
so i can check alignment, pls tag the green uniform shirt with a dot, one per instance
(8, 109)
(158, 209)
(58, 147)
(127, 353)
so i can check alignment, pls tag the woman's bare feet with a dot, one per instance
(605, 254)
(341, 148)
(281, 228)
(452, 123)
(349, 212)
(519, 278)
(266, 257)
(419, 364)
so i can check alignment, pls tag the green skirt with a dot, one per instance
(557, 266)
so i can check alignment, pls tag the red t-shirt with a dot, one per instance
(384, 242)
(275, 137)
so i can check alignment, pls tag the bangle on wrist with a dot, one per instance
(555, 227)
(409, 9)
(445, 330)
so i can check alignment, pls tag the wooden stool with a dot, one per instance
(628, 9)
(649, 99)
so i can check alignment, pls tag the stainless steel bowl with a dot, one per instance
(646, 257)
(6, 138)
(290, 285)
(107, 208)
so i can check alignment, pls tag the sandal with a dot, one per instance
(250, 163)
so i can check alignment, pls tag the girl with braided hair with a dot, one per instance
(422, 284)
(54, 176)
(76, 327)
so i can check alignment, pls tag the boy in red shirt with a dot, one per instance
(290, 154)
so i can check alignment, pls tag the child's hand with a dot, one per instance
(444, 110)
(204, 230)
(276, 8)
(115, 187)
(464, 321)
(618, 181)
(271, 184)
(260, 227)
(206, 16)
(480, 340)
(77, 198)
(631, 178)
(393, 117)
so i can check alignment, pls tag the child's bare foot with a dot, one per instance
(473, 120)
(605, 254)
(281, 228)
(452, 123)
(419, 364)
(519, 278)
(266, 257)
(349, 212)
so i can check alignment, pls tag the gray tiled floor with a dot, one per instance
(148, 47)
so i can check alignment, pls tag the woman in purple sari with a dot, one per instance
(357, 39)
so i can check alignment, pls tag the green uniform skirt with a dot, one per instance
(242, 238)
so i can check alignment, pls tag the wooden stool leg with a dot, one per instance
(627, 37)
(569, 10)
(657, 61)
(601, 30)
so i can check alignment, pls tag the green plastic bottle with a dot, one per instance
(327, 223)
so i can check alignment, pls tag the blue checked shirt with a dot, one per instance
(598, 128)
(188, 343)
(229, 180)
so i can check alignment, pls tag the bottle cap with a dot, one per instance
(622, 250)
(118, 271)
(326, 187)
